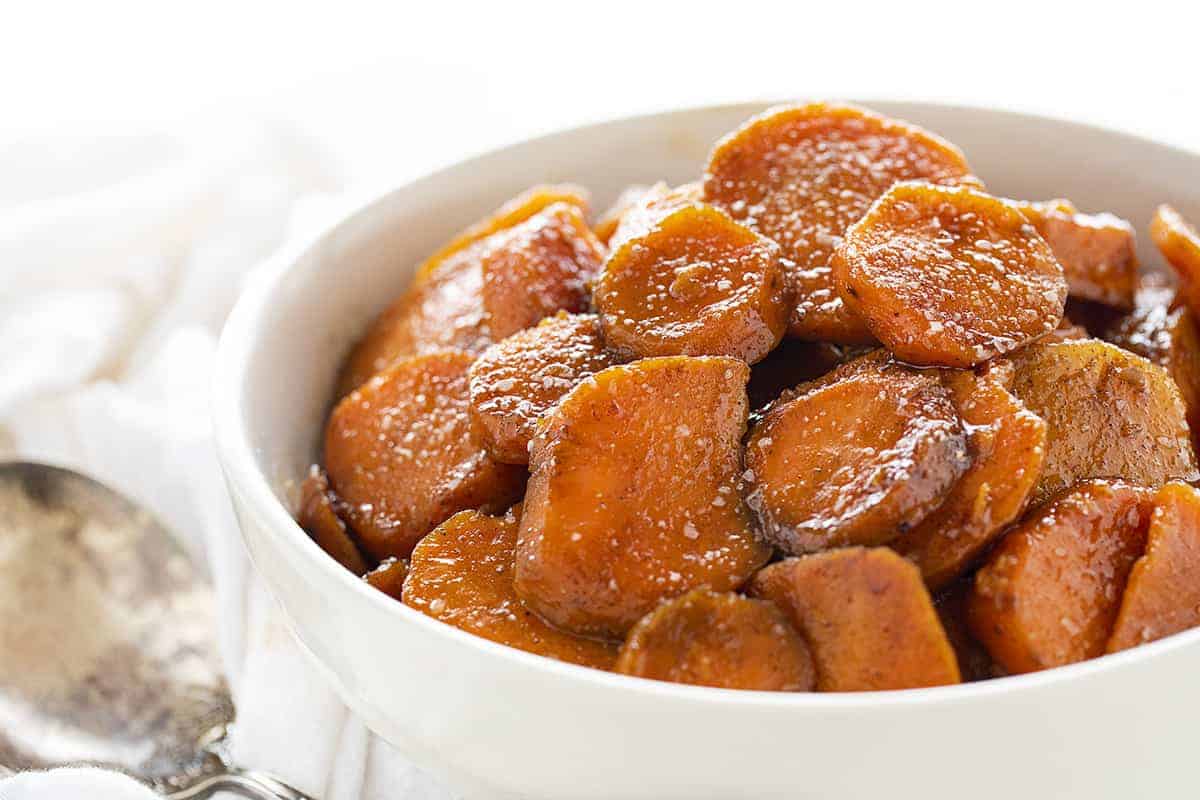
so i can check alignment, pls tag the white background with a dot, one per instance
(393, 89)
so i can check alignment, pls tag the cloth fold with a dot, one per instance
(111, 301)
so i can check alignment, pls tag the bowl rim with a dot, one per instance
(243, 331)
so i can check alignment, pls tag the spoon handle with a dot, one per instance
(244, 782)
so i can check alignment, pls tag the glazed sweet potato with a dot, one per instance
(518, 380)
(634, 496)
(948, 276)
(462, 574)
(792, 363)
(1162, 596)
(607, 222)
(398, 451)
(867, 617)
(389, 576)
(1007, 444)
(696, 283)
(1109, 414)
(1179, 244)
(803, 174)
(859, 457)
(1048, 594)
(1096, 251)
(485, 291)
(318, 516)
(718, 639)
(658, 202)
(1163, 331)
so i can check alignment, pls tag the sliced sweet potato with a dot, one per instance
(319, 517)
(696, 283)
(607, 222)
(948, 276)
(1179, 244)
(389, 576)
(859, 457)
(398, 451)
(635, 494)
(462, 574)
(518, 380)
(1049, 593)
(1096, 250)
(484, 292)
(718, 639)
(1109, 414)
(520, 208)
(1007, 444)
(866, 616)
(658, 202)
(1165, 332)
(1162, 596)
(803, 174)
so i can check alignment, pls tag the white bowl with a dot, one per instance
(497, 722)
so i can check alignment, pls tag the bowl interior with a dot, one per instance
(295, 324)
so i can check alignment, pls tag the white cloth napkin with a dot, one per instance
(113, 289)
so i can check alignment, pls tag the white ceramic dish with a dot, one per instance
(497, 722)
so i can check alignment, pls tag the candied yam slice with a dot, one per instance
(389, 576)
(793, 362)
(696, 283)
(484, 292)
(1179, 244)
(318, 516)
(1109, 414)
(1007, 444)
(607, 223)
(634, 496)
(866, 616)
(1162, 596)
(399, 453)
(518, 380)
(1164, 332)
(1049, 593)
(515, 211)
(1096, 251)
(718, 639)
(658, 202)
(802, 174)
(948, 276)
(858, 459)
(462, 575)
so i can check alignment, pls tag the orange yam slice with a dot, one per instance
(635, 494)
(1162, 596)
(399, 453)
(718, 639)
(516, 381)
(867, 618)
(1049, 593)
(1096, 251)
(859, 459)
(389, 576)
(1007, 444)
(802, 174)
(1179, 243)
(696, 283)
(462, 574)
(319, 517)
(948, 276)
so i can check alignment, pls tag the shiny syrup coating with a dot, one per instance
(1007, 444)
(867, 617)
(462, 575)
(516, 381)
(856, 458)
(718, 639)
(318, 516)
(1096, 251)
(1162, 595)
(1048, 594)
(635, 494)
(695, 283)
(399, 453)
(948, 276)
(801, 175)
(485, 291)
(1109, 414)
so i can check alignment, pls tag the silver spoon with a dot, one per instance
(107, 642)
